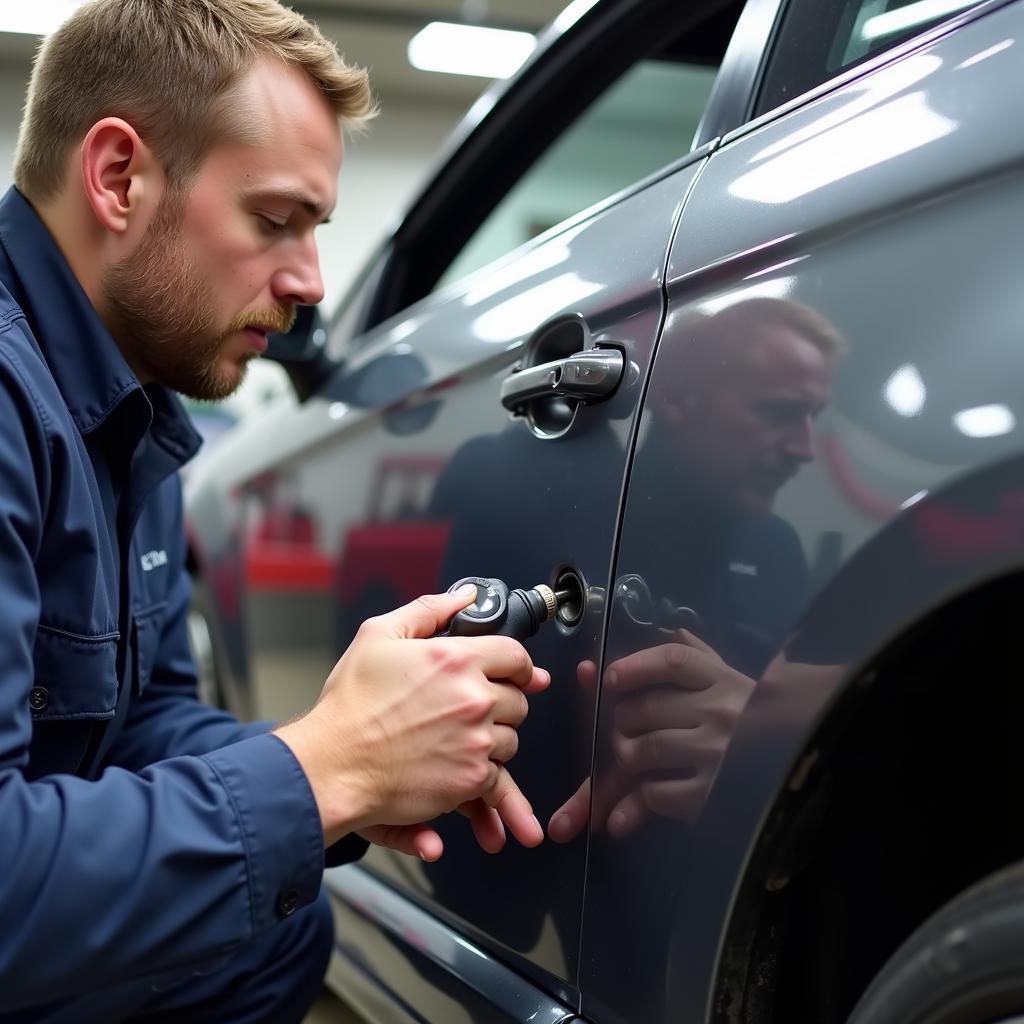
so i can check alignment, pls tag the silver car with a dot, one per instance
(713, 319)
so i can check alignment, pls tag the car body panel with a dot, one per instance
(887, 202)
(408, 448)
(390, 947)
(892, 207)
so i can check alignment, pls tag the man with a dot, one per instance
(731, 405)
(158, 860)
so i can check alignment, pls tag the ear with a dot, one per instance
(120, 175)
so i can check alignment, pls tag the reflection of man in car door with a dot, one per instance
(730, 421)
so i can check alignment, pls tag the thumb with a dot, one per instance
(426, 615)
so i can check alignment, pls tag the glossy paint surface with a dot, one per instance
(412, 947)
(829, 449)
(406, 474)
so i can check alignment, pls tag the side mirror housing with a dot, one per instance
(302, 352)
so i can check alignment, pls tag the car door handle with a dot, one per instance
(587, 377)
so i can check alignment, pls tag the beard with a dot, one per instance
(163, 313)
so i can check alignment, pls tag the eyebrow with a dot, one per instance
(291, 195)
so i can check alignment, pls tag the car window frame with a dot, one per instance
(391, 284)
(881, 59)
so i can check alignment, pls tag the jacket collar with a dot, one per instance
(93, 377)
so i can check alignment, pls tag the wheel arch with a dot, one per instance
(902, 796)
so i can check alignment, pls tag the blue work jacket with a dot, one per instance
(140, 830)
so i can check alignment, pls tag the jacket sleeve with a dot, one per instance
(168, 719)
(132, 873)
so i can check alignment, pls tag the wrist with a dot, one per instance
(341, 800)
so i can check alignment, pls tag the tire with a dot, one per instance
(964, 965)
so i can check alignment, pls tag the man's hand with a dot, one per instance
(675, 708)
(410, 725)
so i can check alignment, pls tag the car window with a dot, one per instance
(644, 121)
(820, 38)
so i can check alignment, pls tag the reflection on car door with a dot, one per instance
(843, 325)
(456, 488)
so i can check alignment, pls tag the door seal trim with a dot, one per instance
(410, 926)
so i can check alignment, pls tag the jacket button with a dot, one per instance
(38, 698)
(287, 902)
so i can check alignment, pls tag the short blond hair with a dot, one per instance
(167, 67)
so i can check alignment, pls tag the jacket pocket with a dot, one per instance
(147, 626)
(75, 676)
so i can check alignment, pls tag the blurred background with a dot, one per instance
(384, 166)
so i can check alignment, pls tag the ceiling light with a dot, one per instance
(469, 50)
(985, 421)
(905, 391)
(39, 18)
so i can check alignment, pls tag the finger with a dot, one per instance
(415, 840)
(679, 664)
(682, 799)
(541, 681)
(506, 743)
(692, 640)
(586, 675)
(510, 705)
(514, 810)
(666, 750)
(656, 708)
(628, 815)
(487, 826)
(571, 818)
(500, 657)
(423, 617)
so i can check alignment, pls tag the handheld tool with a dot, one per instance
(500, 611)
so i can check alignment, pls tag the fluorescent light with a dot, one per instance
(985, 54)
(39, 18)
(905, 391)
(872, 138)
(910, 16)
(985, 421)
(469, 50)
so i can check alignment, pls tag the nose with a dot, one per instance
(799, 442)
(298, 281)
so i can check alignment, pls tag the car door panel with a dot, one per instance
(887, 212)
(408, 492)
(420, 968)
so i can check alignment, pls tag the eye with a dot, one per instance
(268, 226)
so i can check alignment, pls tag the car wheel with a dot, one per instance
(204, 655)
(965, 965)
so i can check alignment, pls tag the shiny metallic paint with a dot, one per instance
(913, 255)
(924, 201)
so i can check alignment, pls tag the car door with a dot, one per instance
(405, 471)
(840, 347)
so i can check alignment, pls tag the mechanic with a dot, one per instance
(160, 860)
(731, 421)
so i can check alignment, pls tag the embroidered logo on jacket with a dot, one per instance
(153, 560)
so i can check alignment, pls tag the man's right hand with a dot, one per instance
(410, 725)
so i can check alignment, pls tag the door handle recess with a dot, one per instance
(587, 377)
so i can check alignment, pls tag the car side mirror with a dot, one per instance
(302, 352)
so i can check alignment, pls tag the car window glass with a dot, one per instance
(820, 38)
(643, 122)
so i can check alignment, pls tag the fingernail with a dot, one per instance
(469, 590)
(617, 823)
(558, 828)
(611, 677)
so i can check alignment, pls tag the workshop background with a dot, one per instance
(382, 168)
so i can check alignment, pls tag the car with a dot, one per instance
(710, 319)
